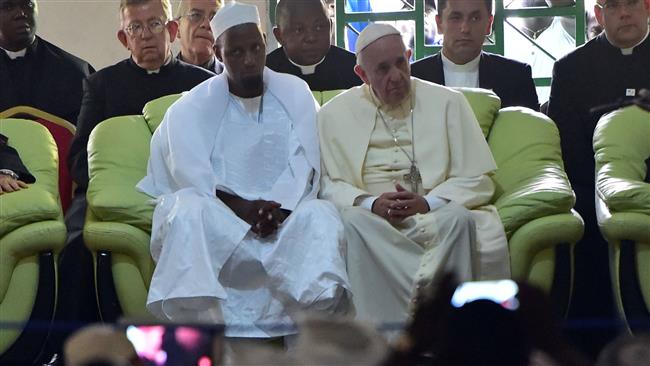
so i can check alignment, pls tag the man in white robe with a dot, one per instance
(405, 162)
(238, 235)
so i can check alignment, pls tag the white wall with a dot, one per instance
(88, 28)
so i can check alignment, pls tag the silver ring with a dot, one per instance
(388, 212)
(260, 212)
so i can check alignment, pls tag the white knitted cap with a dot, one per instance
(233, 14)
(373, 32)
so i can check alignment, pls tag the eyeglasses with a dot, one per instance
(616, 5)
(198, 17)
(9, 6)
(154, 26)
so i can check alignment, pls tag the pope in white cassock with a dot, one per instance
(405, 162)
(238, 234)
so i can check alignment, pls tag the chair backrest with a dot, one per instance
(155, 110)
(38, 152)
(485, 105)
(63, 133)
(622, 145)
(324, 96)
(118, 151)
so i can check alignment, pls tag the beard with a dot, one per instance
(252, 82)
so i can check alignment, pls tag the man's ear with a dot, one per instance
(408, 54)
(217, 52)
(598, 12)
(172, 28)
(488, 31)
(361, 73)
(439, 28)
(122, 36)
(277, 33)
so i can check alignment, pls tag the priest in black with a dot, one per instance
(612, 67)
(462, 63)
(195, 34)
(34, 72)
(304, 31)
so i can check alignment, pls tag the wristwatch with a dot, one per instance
(9, 173)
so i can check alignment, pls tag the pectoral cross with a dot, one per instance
(413, 177)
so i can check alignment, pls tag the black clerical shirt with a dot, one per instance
(46, 78)
(120, 90)
(334, 73)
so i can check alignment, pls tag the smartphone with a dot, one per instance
(165, 344)
(502, 292)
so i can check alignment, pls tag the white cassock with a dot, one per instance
(462, 233)
(210, 267)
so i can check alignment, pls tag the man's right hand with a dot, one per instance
(263, 216)
(9, 184)
(396, 206)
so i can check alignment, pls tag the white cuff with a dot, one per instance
(368, 202)
(435, 202)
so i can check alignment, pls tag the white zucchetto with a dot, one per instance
(233, 14)
(373, 32)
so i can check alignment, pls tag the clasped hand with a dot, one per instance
(396, 206)
(9, 184)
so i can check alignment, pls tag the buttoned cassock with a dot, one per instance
(386, 262)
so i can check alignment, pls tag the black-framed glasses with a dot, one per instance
(155, 26)
(198, 17)
(616, 5)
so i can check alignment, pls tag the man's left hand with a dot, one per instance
(9, 184)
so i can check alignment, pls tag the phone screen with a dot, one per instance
(159, 345)
(502, 292)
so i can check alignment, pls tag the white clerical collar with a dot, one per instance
(17, 54)
(309, 69)
(167, 61)
(471, 66)
(630, 50)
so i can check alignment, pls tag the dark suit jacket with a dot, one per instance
(511, 80)
(9, 159)
(47, 78)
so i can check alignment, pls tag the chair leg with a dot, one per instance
(635, 308)
(108, 302)
(29, 346)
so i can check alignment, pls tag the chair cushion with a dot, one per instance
(621, 145)
(530, 179)
(485, 105)
(38, 152)
(155, 110)
(118, 150)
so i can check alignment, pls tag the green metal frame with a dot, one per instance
(416, 14)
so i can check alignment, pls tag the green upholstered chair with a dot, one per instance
(621, 146)
(533, 197)
(32, 233)
(533, 194)
(118, 221)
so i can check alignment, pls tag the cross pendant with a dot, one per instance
(413, 177)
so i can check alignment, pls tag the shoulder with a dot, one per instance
(192, 70)
(345, 100)
(341, 54)
(275, 56)
(502, 62)
(429, 89)
(64, 57)
(582, 54)
(426, 62)
(109, 72)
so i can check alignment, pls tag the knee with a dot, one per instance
(460, 217)
(353, 215)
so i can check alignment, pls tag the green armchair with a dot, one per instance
(621, 146)
(32, 233)
(533, 197)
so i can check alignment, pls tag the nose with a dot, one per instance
(249, 59)
(310, 36)
(464, 26)
(146, 32)
(205, 23)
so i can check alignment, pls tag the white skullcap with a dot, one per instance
(373, 32)
(233, 14)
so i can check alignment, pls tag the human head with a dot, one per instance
(464, 24)
(303, 29)
(197, 41)
(17, 23)
(241, 46)
(383, 63)
(626, 350)
(149, 49)
(99, 343)
(625, 21)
